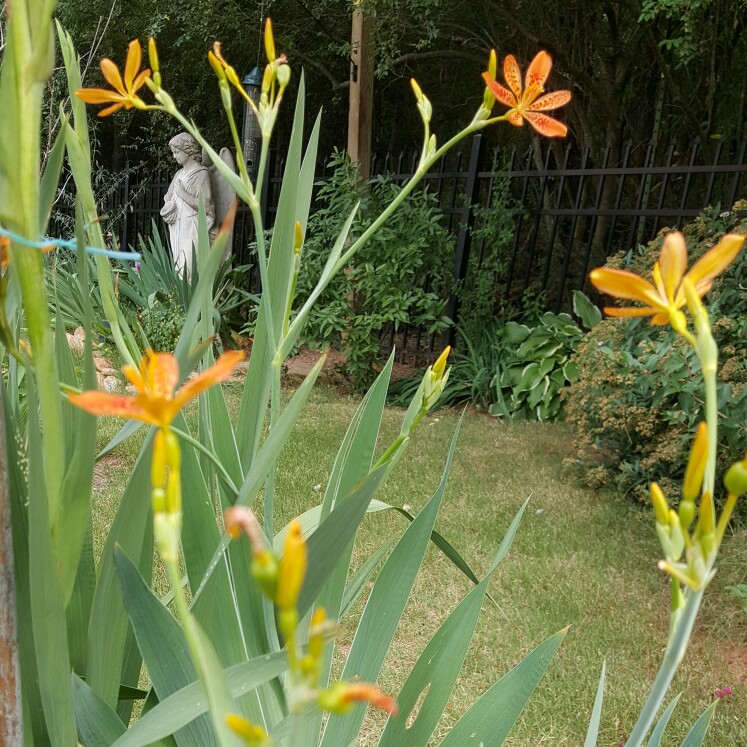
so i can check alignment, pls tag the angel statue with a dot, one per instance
(180, 206)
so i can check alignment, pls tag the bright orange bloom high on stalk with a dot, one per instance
(525, 101)
(155, 380)
(125, 91)
(665, 296)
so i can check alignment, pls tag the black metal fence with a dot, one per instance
(570, 209)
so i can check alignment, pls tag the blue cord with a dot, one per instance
(70, 244)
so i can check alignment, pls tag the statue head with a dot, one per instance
(183, 145)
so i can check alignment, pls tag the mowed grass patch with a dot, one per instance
(581, 558)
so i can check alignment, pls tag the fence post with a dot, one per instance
(464, 235)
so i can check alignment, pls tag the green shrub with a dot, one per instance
(384, 284)
(515, 370)
(637, 400)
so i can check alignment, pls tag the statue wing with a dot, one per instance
(223, 194)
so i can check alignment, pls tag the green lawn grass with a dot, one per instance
(581, 558)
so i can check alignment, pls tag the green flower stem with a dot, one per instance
(711, 413)
(672, 658)
(25, 53)
(679, 639)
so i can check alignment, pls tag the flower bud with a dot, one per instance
(269, 41)
(153, 59)
(661, 507)
(217, 67)
(283, 75)
(440, 365)
(253, 735)
(735, 478)
(264, 570)
(340, 697)
(696, 464)
(686, 512)
(292, 567)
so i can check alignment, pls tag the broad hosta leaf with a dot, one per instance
(585, 310)
(492, 717)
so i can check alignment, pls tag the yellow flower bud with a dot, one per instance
(707, 514)
(316, 632)
(153, 59)
(661, 507)
(252, 734)
(416, 89)
(493, 64)
(298, 237)
(269, 41)
(292, 567)
(440, 365)
(696, 464)
(216, 65)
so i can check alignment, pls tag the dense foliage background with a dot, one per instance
(639, 69)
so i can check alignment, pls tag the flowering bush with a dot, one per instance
(638, 397)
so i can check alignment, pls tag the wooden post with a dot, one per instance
(11, 719)
(360, 113)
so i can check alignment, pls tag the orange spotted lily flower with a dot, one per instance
(666, 295)
(125, 91)
(525, 101)
(156, 402)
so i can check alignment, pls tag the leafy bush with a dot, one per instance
(515, 370)
(494, 229)
(637, 400)
(384, 283)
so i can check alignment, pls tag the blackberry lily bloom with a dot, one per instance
(156, 401)
(125, 90)
(665, 297)
(525, 102)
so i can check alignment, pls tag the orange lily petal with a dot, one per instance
(218, 372)
(161, 375)
(661, 319)
(512, 74)
(539, 69)
(624, 284)
(103, 403)
(111, 73)
(111, 109)
(97, 95)
(716, 260)
(366, 692)
(672, 263)
(545, 125)
(132, 64)
(515, 118)
(630, 311)
(501, 94)
(140, 80)
(550, 101)
(134, 377)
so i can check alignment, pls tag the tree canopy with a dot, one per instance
(671, 70)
